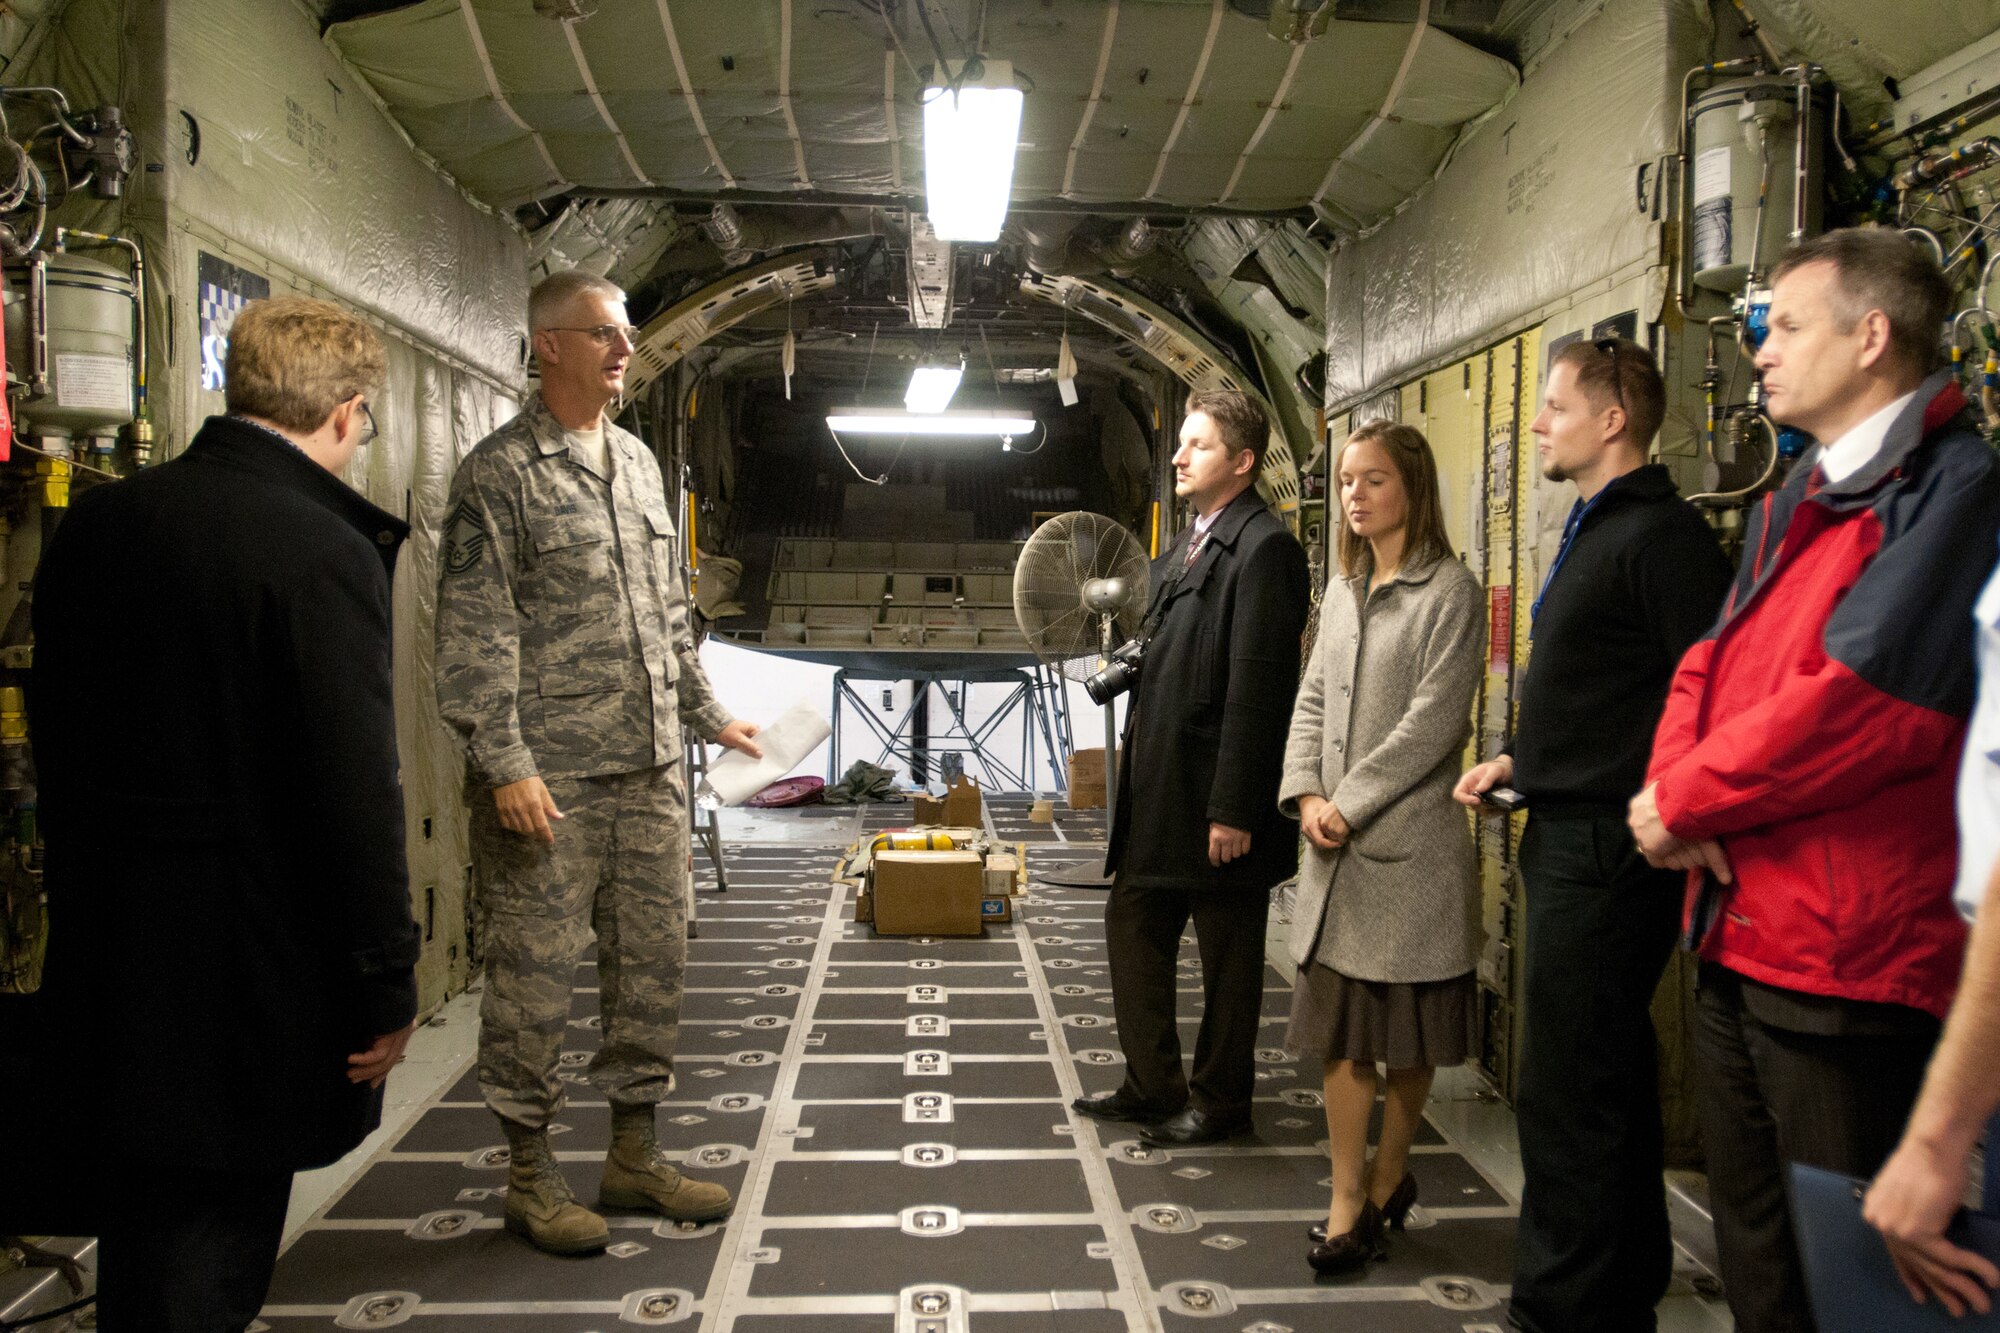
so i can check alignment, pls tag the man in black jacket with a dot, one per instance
(231, 949)
(1638, 578)
(1197, 832)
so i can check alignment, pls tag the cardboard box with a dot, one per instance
(963, 804)
(1003, 874)
(1087, 767)
(927, 893)
(1086, 779)
(960, 806)
(996, 911)
(864, 906)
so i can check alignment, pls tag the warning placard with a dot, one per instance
(91, 380)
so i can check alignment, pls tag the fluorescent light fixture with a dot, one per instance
(969, 142)
(931, 387)
(888, 421)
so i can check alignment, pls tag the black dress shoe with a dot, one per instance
(1395, 1209)
(1193, 1126)
(1353, 1249)
(1118, 1105)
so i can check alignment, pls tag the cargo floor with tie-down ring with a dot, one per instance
(893, 1117)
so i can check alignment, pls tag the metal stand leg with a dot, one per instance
(1084, 877)
(979, 744)
(833, 774)
(705, 828)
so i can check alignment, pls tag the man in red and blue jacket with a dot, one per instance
(1803, 770)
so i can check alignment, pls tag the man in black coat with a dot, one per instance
(230, 969)
(1197, 832)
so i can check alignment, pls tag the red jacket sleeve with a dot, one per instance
(1815, 744)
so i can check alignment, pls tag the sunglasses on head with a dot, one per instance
(1610, 347)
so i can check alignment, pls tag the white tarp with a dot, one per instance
(1863, 42)
(784, 96)
(297, 164)
(1540, 200)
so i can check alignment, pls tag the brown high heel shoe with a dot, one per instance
(1353, 1249)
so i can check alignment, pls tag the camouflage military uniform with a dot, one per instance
(564, 650)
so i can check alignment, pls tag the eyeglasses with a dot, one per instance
(1609, 346)
(368, 431)
(602, 334)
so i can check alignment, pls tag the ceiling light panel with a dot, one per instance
(931, 388)
(970, 137)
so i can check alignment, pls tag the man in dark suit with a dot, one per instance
(1197, 832)
(230, 974)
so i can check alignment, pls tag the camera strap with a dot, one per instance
(1173, 582)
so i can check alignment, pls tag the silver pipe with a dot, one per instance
(1726, 499)
(12, 243)
(1805, 81)
(38, 324)
(54, 95)
(1985, 280)
(1927, 236)
(1757, 34)
(1846, 157)
(1757, 219)
(1711, 380)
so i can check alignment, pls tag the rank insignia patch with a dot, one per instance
(464, 539)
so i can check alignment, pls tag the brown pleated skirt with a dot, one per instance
(1399, 1024)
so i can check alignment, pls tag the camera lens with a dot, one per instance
(1106, 685)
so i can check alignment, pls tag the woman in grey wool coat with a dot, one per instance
(1386, 927)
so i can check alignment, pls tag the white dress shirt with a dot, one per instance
(1851, 452)
(1199, 537)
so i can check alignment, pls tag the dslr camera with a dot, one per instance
(1119, 674)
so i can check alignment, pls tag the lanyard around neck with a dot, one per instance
(1570, 531)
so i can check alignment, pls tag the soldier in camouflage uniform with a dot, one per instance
(566, 662)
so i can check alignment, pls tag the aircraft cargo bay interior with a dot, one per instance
(999, 666)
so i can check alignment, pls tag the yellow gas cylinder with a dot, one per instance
(911, 840)
(13, 716)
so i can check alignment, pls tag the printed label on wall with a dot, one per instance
(1711, 174)
(1500, 468)
(1500, 633)
(225, 289)
(84, 379)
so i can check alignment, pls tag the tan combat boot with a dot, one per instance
(638, 1175)
(540, 1205)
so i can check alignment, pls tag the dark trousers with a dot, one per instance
(1593, 1253)
(1770, 1096)
(193, 1252)
(1142, 930)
